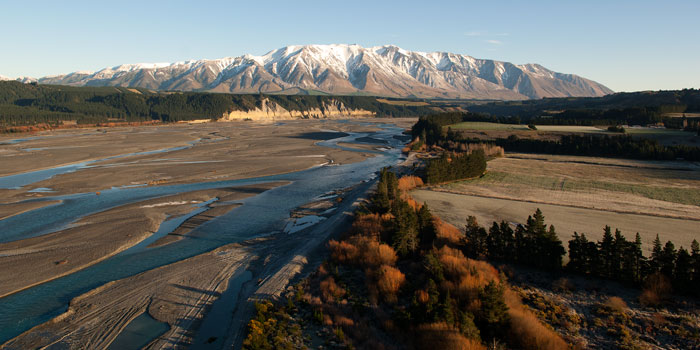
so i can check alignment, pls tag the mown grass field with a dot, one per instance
(455, 208)
(519, 127)
(487, 126)
(679, 195)
(580, 194)
(497, 130)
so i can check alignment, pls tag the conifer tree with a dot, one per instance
(475, 239)
(656, 252)
(520, 245)
(668, 259)
(575, 254)
(405, 228)
(639, 259)
(433, 299)
(427, 228)
(493, 314)
(619, 252)
(447, 309)
(606, 248)
(683, 270)
(508, 240)
(695, 256)
(467, 326)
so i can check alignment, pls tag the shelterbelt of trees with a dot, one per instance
(633, 108)
(400, 279)
(431, 130)
(613, 257)
(30, 104)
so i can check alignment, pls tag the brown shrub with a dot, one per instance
(372, 253)
(454, 263)
(465, 277)
(409, 182)
(446, 233)
(563, 285)
(327, 321)
(468, 287)
(380, 254)
(616, 304)
(389, 281)
(343, 321)
(489, 149)
(441, 336)
(368, 225)
(484, 269)
(657, 289)
(362, 251)
(411, 202)
(330, 290)
(343, 251)
(529, 333)
(422, 296)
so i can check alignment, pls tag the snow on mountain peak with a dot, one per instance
(386, 70)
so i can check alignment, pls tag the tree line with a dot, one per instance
(431, 130)
(619, 146)
(532, 244)
(616, 258)
(613, 257)
(455, 166)
(30, 104)
(634, 108)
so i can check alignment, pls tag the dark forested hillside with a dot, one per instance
(622, 108)
(31, 104)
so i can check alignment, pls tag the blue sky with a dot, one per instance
(626, 45)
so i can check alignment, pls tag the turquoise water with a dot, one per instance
(138, 333)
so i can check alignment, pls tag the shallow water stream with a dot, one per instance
(259, 215)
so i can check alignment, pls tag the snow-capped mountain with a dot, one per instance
(346, 69)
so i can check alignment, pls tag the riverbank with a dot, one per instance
(181, 294)
(170, 154)
(31, 261)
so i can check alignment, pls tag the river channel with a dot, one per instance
(259, 215)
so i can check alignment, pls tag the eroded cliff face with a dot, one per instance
(270, 110)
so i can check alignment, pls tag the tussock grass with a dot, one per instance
(690, 196)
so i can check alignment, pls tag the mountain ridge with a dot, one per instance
(346, 70)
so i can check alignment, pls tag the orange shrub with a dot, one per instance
(657, 289)
(363, 251)
(380, 254)
(468, 287)
(330, 290)
(373, 253)
(489, 149)
(342, 252)
(368, 225)
(446, 233)
(453, 262)
(616, 304)
(389, 281)
(527, 330)
(422, 296)
(413, 203)
(441, 336)
(484, 269)
(409, 182)
(343, 321)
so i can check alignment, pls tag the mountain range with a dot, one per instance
(346, 70)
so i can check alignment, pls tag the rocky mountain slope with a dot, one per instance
(346, 69)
